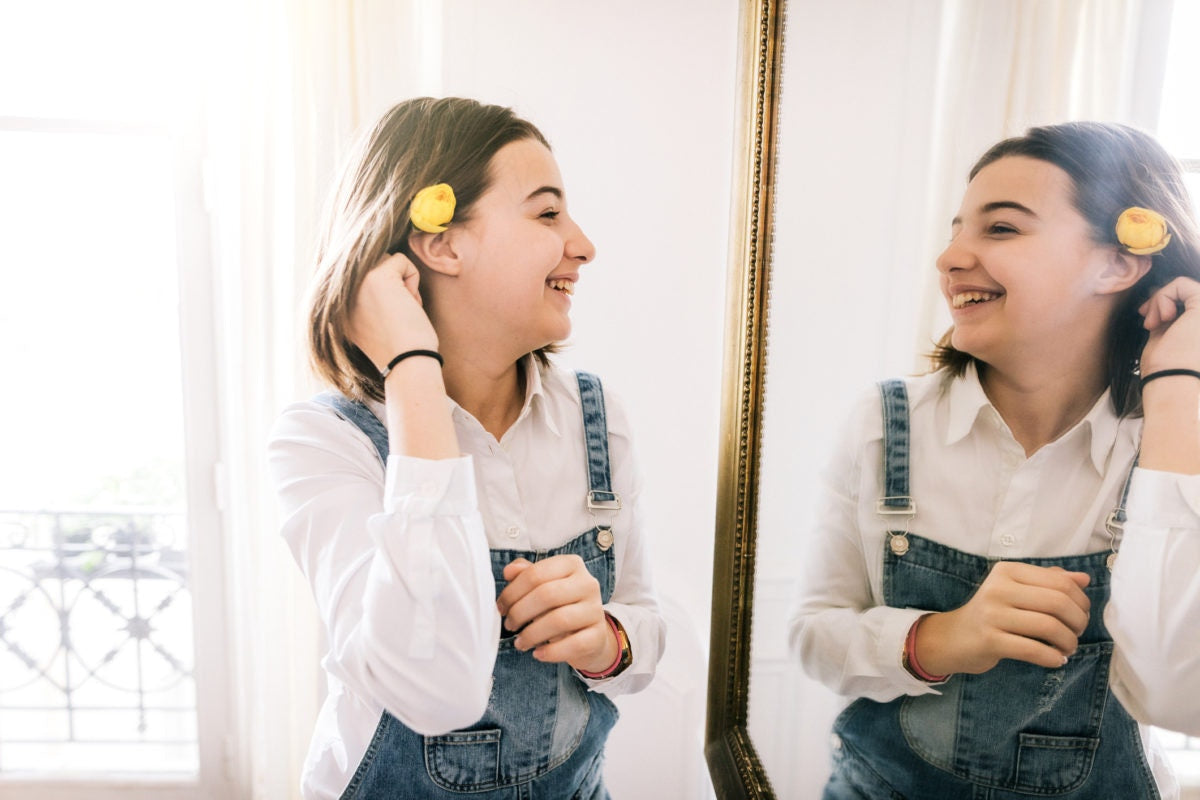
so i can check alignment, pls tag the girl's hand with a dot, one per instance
(555, 604)
(1172, 315)
(1020, 611)
(387, 317)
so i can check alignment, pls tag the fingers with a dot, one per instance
(1031, 651)
(576, 647)
(1161, 309)
(556, 606)
(562, 623)
(543, 586)
(1169, 302)
(1020, 611)
(1042, 628)
(387, 317)
(1055, 579)
(515, 568)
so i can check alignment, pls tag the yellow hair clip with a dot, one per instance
(432, 208)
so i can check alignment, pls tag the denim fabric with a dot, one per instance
(543, 733)
(595, 435)
(894, 399)
(362, 417)
(1015, 731)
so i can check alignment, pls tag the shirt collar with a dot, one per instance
(967, 400)
(1103, 424)
(536, 399)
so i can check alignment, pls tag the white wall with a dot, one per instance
(637, 100)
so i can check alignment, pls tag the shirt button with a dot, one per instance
(513, 532)
(1008, 540)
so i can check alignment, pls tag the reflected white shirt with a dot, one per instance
(977, 492)
(399, 563)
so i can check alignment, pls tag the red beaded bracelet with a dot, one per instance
(910, 656)
(612, 623)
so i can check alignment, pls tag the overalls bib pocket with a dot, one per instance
(1017, 726)
(530, 727)
(969, 728)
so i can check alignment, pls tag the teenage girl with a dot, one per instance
(465, 511)
(1005, 577)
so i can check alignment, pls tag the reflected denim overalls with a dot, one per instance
(1015, 731)
(543, 733)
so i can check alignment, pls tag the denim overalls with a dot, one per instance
(543, 733)
(1015, 731)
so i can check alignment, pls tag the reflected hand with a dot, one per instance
(555, 604)
(1172, 315)
(1020, 611)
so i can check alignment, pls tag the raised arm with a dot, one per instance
(1154, 611)
(398, 562)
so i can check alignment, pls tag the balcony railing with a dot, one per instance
(95, 641)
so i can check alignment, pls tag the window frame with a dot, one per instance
(218, 762)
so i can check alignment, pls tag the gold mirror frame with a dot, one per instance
(732, 761)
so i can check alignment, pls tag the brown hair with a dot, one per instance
(1112, 167)
(417, 143)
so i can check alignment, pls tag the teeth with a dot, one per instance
(563, 285)
(967, 298)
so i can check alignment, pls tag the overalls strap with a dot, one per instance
(362, 418)
(595, 440)
(896, 498)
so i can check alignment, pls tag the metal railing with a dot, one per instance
(95, 636)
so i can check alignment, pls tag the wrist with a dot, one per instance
(618, 641)
(421, 354)
(913, 664)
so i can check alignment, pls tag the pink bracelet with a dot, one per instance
(910, 656)
(612, 623)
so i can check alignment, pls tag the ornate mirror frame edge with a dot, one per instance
(732, 761)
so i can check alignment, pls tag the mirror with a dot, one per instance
(735, 767)
(855, 143)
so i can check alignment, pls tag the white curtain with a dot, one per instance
(296, 80)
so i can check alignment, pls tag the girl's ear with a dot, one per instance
(437, 251)
(1122, 271)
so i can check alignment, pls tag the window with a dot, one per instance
(104, 518)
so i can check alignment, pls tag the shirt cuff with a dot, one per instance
(430, 487)
(1164, 499)
(645, 632)
(890, 650)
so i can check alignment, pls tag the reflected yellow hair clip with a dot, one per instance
(1143, 232)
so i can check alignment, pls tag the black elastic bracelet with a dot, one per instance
(1163, 373)
(434, 354)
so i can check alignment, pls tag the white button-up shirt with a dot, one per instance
(976, 491)
(399, 563)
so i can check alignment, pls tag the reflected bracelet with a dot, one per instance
(909, 656)
(1165, 373)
